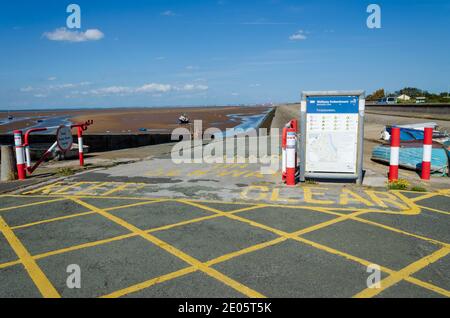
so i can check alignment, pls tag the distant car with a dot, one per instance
(387, 101)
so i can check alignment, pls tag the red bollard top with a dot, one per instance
(294, 124)
(284, 138)
(395, 137)
(428, 136)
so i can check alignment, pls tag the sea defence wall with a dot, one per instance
(101, 142)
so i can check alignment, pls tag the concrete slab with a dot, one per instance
(65, 233)
(109, 267)
(209, 239)
(159, 214)
(377, 245)
(195, 285)
(15, 283)
(293, 269)
(288, 220)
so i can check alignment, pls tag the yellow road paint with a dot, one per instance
(45, 189)
(381, 198)
(393, 229)
(396, 277)
(95, 186)
(429, 286)
(275, 197)
(8, 264)
(37, 275)
(262, 192)
(150, 282)
(350, 196)
(122, 187)
(51, 220)
(283, 236)
(64, 190)
(31, 204)
(176, 252)
(83, 214)
(309, 193)
(434, 210)
(423, 197)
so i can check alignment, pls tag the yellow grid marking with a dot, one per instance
(83, 214)
(434, 210)
(37, 275)
(151, 282)
(423, 197)
(404, 273)
(176, 252)
(249, 249)
(393, 229)
(31, 204)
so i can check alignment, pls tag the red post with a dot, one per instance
(291, 151)
(427, 152)
(283, 153)
(80, 146)
(20, 155)
(395, 154)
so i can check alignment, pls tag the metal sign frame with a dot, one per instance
(360, 139)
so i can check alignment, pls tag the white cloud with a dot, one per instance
(168, 13)
(191, 67)
(193, 87)
(51, 88)
(52, 78)
(63, 34)
(156, 89)
(255, 85)
(298, 36)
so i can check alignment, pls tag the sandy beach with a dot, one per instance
(130, 120)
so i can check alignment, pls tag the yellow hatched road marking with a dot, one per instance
(95, 186)
(396, 277)
(37, 275)
(31, 204)
(122, 187)
(150, 282)
(176, 252)
(83, 214)
(434, 210)
(70, 186)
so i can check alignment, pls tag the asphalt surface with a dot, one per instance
(156, 229)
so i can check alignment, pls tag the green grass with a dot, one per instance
(65, 172)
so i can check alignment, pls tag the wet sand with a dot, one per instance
(130, 120)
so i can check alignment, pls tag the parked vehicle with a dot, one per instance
(387, 101)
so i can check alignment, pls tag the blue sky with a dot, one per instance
(207, 52)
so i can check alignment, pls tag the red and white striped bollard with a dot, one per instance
(291, 152)
(20, 155)
(80, 146)
(427, 152)
(395, 154)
